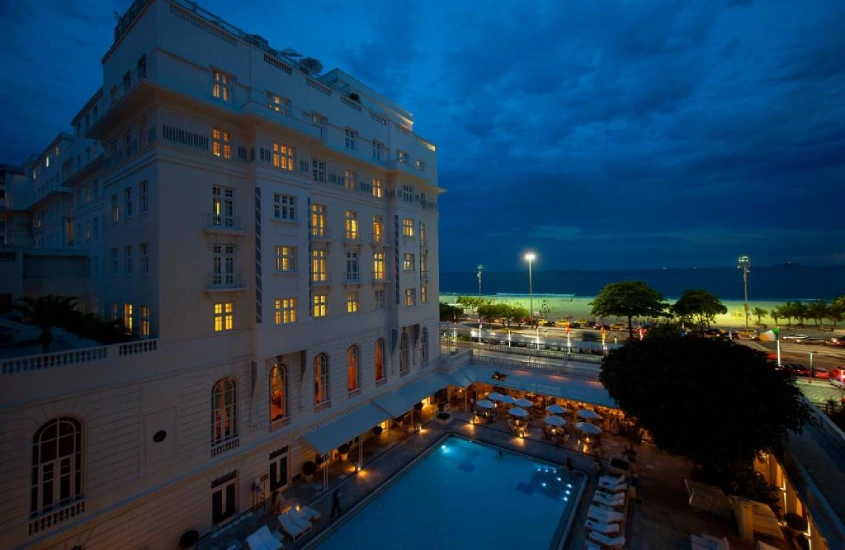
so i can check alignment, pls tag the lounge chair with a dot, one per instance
(611, 481)
(613, 501)
(291, 527)
(607, 542)
(308, 512)
(263, 539)
(299, 517)
(601, 527)
(606, 515)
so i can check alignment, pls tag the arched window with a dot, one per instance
(321, 380)
(424, 348)
(353, 378)
(380, 372)
(404, 357)
(224, 411)
(278, 392)
(56, 465)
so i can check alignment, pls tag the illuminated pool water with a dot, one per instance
(464, 495)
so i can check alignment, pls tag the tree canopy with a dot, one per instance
(713, 401)
(628, 299)
(450, 313)
(699, 304)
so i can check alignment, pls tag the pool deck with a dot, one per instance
(659, 518)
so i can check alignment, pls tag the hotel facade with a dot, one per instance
(268, 235)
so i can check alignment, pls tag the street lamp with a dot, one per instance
(479, 268)
(744, 263)
(530, 257)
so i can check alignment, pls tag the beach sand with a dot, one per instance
(578, 307)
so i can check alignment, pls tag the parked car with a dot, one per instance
(747, 334)
(837, 376)
(838, 341)
(562, 323)
(793, 337)
(820, 373)
(810, 341)
(618, 326)
(796, 369)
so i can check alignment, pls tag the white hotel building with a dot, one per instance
(269, 234)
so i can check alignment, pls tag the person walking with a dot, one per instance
(336, 509)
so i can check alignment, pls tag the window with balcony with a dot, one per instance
(144, 257)
(318, 220)
(319, 265)
(423, 293)
(221, 87)
(351, 225)
(322, 399)
(410, 297)
(283, 156)
(224, 412)
(352, 301)
(127, 203)
(145, 322)
(320, 305)
(423, 239)
(285, 311)
(277, 103)
(221, 143)
(278, 392)
(349, 180)
(407, 227)
(378, 147)
(378, 188)
(404, 354)
(378, 229)
(284, 207)
(408, 262)
(353, 374)
(144, 191)
(286, 259)
(57, 459)
(408, 193)
(424, 348)
(350, 139)
(378, 266)
(223, 206)
(115, 209)
(279, 469)
(318, 170)
(223, 265)
(378, 298)
(424, 264)
(380, 372)
(352, 272)
(224, 316)
(127, 318)
(128, 259)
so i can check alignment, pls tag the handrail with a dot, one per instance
(16, 365)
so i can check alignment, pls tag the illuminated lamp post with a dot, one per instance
(530, 257)
(744, 263)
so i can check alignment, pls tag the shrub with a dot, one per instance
(377, 430)
(309, 468)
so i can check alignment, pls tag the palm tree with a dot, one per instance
(47, 312)
(758, 313)
(799, 310)
(787, 310)
(776, 313)
(817, 310)
(835, 310)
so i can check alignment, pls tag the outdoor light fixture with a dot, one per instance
(530, 257)
(744, 263)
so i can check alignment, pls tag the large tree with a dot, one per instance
(713, 401)
(817, 311)
(699, 304)
(836, 310)
(48, 312)
(450, 313)
(759, 312)
(628, 299)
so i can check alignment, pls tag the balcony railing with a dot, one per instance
(353, 279)
(381, 382)
(404, 372)
(227, 445)
(323, 235)
(216, 223)
(354, 393)
(380, 280)
(319, 407)
(61, 515)
(225, 282)
(279, 423)
(424, 275)
(323, 280)
(17, 365)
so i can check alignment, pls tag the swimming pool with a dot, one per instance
(462, 494)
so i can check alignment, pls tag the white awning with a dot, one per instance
(400, 401)
(335, 433)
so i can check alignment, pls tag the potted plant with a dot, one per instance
(444, 417)
(309, 468)
(377, 431)
(343, 450)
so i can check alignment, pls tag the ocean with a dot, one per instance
(778, 283)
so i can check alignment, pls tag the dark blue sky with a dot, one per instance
(602, 134)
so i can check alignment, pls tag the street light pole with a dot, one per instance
(479, 268)
(530, 257)
(744, 263)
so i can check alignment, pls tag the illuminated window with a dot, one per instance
(351, 225)
(57, 454)
(223, 206)
(423, 239)
(381, 373)
(127, 317)
(285, 311)
(352, 301)
(353, 374)
(221, 143)
(420, 165)
(408, 262)
(378, 188)
(402, 156)
(349, 180)
(284, 207)
(410, 296)
(407, 227)
(321, 379)
(378, 229)
(222, 86)
(378, 297)
(319, 263)
(277, 103)
(283, 156)
(352, 266)
(377, 149)
(423, 293)
(318, 170)
(350, 138)
(224, 316)
(224, 412)
(320, 305)
(286, 259)
(278, 392)
(318, 220)
(378, 265)
(145, 322)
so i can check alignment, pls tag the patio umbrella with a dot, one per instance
(485, 404)
(495, 396)
(508, 399)
(516, 411)
(588, 414)
(522, 402)
(588, 428)
(555, 421)
(555, 409)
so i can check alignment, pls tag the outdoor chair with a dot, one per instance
(611, 481)
(607, 542)
(614, 489)
(263, 539)
(309, 512)
(601, 527)
(606, 515)
(615, 501)
(291, 528)
(299, 516)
